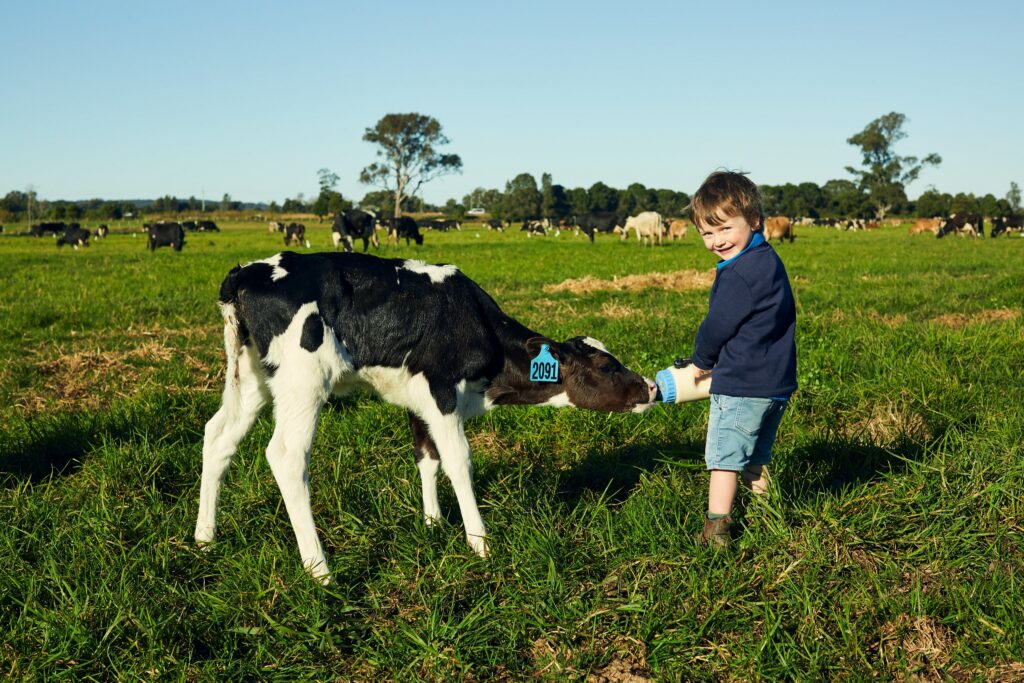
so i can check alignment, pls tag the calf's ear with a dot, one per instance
(533, 345)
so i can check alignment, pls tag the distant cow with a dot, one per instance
(206, 226)
(677, 228)
(647, 225)
(274, 226)
(300, 327)
(294, 233)
(354, 224)
(778, 226)
(75, 235)
(40, 229)
(963, 224)
(931, 225)
(1012, 224)
(495, 224)
(400, 227)
(601, 221)
(102, 231)
(535, 227)
(165, 235)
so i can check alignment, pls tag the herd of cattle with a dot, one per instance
(649, 227)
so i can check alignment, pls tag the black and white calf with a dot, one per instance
(355, 224)
(75, 235)
(165, 235)
(299, 327)
(294, 234)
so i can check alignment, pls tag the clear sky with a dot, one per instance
(141, 99)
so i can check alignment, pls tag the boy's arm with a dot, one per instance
(728, 309)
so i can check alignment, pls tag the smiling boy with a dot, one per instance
(747, 339)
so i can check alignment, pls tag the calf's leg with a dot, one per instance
(428, 461)
(450, 438)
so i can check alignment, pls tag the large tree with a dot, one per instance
(886, 174)
(522, 198)
(1013, 197)
(409, 156)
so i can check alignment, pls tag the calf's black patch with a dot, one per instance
(312, 333)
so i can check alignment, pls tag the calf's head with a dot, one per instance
(594, 379)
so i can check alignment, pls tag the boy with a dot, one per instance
(747, 338)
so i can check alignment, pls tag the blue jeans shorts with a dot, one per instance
(741, 431)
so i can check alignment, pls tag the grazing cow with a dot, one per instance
(931, 225)
(165, 235)
(102, 231)
(190, 226)
(400, 227)
(963, 224)
(352, 224)
(677, 228)
(1011, 224)
(274, 226)
(40, 229)
(206, 226)
(778, 226)
(495, 224)
(648, 226)
(602, 221)
(75, 235)
(445, 224)
(294, 233)
(535, 227)
(299, 327)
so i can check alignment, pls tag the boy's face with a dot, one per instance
(727, 239)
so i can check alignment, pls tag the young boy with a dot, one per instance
(747, 339)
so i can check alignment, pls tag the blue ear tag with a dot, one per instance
(544, 368)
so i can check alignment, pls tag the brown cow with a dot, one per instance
(925, 225)
(677, 228)
(778, 226)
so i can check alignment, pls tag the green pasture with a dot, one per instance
(890, 548)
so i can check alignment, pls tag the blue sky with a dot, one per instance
(138, 100)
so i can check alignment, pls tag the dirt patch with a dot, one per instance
(679, 281)
(888, 423)
(924, 641)
(888, 320)
(92, 379)
(615, 311)
(987, 317)
(628, 664)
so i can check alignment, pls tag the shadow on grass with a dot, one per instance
(56, 445)
(616, 472)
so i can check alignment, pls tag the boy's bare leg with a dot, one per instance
(756, 477)
(722, 492)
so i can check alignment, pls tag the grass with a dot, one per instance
(890, 549)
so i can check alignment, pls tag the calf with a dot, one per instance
(294, 233)
(592, 223)
(495, 224)
(75, 235)
(102, 231)
(778, 226)
(400, 227)
(1011, 224)
(165, 235)
(931, 225)
(299, 327)
(677, 228)
(648, 226)
(962, 224)
(274, 226)
(40, 229)
(352, 224)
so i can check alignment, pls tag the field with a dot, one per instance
(891, 547)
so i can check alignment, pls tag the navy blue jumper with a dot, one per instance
(748, 334)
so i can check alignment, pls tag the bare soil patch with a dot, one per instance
(986, 317)
(889, 422)
(679, 281)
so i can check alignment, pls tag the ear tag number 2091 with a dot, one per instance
(544, 368)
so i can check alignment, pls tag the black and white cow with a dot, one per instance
(495, 224)
(102, 231)
(355, 224)
(400, 227)
(963, 223)
(40, 229)
(1011, 224)
(294, 233)
(602, 221)
(206, 226)
(75, 235)
(299, 327)
(165, 235)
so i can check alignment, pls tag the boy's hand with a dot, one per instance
(701, 374)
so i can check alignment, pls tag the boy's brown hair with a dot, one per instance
(730, 194)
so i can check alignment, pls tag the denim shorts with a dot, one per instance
(741, 431)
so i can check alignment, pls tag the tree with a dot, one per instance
(886, 174)
(225, 202)
(553, 203)
(522, 198)
(408, 147)
(1013, 198)
(327, 179)
(600, 197)
(933, 203)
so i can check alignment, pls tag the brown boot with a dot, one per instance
(716, 533)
